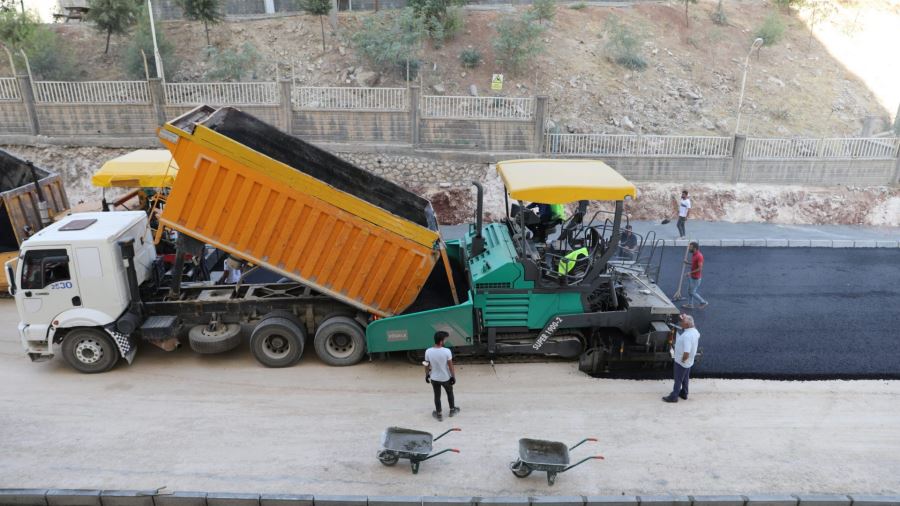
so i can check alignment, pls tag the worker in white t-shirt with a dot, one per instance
(684, 209)
(686, 345)
(439, 372)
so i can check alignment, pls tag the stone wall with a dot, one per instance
(65, 120)
(352, 126)
(14, 117)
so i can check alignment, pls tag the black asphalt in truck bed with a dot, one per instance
(796, 313)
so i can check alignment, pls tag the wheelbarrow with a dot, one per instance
(549, 456)
(398, 443)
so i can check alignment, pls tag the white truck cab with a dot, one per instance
(70, 285)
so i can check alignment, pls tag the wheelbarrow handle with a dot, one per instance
(582, 461)
(454, 450)
(448, 431)
(582, 442)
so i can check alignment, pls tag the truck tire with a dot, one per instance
(90, 350)
(340, 341)
(277, 342)
(226, 337)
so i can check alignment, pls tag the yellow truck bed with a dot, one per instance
(276, 201)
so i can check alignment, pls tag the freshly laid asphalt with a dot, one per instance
(796, 313)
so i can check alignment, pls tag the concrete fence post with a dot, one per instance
(414, 101)
(158, 98)
(28, 101)
(897, 168)
(737, 157)
(540, 116)
(287, 105)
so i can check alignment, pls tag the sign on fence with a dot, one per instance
(497, 82)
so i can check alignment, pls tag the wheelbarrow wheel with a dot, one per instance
(520, 469)
(415, 467)
(388, 458)
(551, 478)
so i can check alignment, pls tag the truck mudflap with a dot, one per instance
(127, 346)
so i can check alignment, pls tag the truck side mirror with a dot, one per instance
(11, 277)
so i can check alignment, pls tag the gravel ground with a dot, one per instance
(224, 423)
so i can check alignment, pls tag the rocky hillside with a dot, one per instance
(690, 85)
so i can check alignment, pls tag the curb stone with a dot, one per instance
(821, 243)
(231, 499)
(887, 244)
(340, 500)
(127, 497)
(825, 500)
(611, 500)
(558, 500)
(447, 501)
(181, 499)
(718, 500)
(758, 243)
(875, 500)
(665, 500)
(397, 500)
(841, 243)
(771, 500)
(863, 244)
(799, 243)
(23, 496)
(73, 497)
(504, 501)
(285, 500)
(776, 243)
(731, 243)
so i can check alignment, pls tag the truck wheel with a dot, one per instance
(340, 341)
(277, 342)
(90, 350)
(226, 336)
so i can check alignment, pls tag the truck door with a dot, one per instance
(47, 287)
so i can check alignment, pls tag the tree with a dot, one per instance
(388, 40)
(816, 12)
(317, 8)
(518, 40)
(543, 9)
(208, 11)
(718, 15)
(112, 16)
(687, 19)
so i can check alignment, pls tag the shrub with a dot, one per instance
(578, 6)
(443, 18)
(210, 12)
(389, 39)
(518, 40)
(470, 58)
(231, 64)
(543, 9)
(141, 39)
(16, 27)
(624, 44)
(771, 29)
(49, 57)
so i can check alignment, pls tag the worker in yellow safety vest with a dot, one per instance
(568, 262)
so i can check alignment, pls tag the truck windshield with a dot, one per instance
(43, 267)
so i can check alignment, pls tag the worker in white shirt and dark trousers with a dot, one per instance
(440, 373)
(686, 345)
(684, 209)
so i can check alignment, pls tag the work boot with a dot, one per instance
(670, 399)
(454, 411)
(683, 395)
(437, 415)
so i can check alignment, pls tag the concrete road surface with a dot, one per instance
(224, 423)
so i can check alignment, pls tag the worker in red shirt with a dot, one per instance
(695, 276)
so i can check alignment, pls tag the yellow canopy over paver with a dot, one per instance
(561, 181)
(143, 168)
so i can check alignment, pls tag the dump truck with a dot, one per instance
(364, 266)
(24, 207)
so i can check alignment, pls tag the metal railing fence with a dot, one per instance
(91, 92)
(340, 98)
(261, 93)
(638, 145)
(9, 89)
(457, 107)
(869, 148)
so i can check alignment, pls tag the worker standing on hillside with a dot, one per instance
(440, 373)
(686, 345)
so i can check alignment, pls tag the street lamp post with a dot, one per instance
(756, 45)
